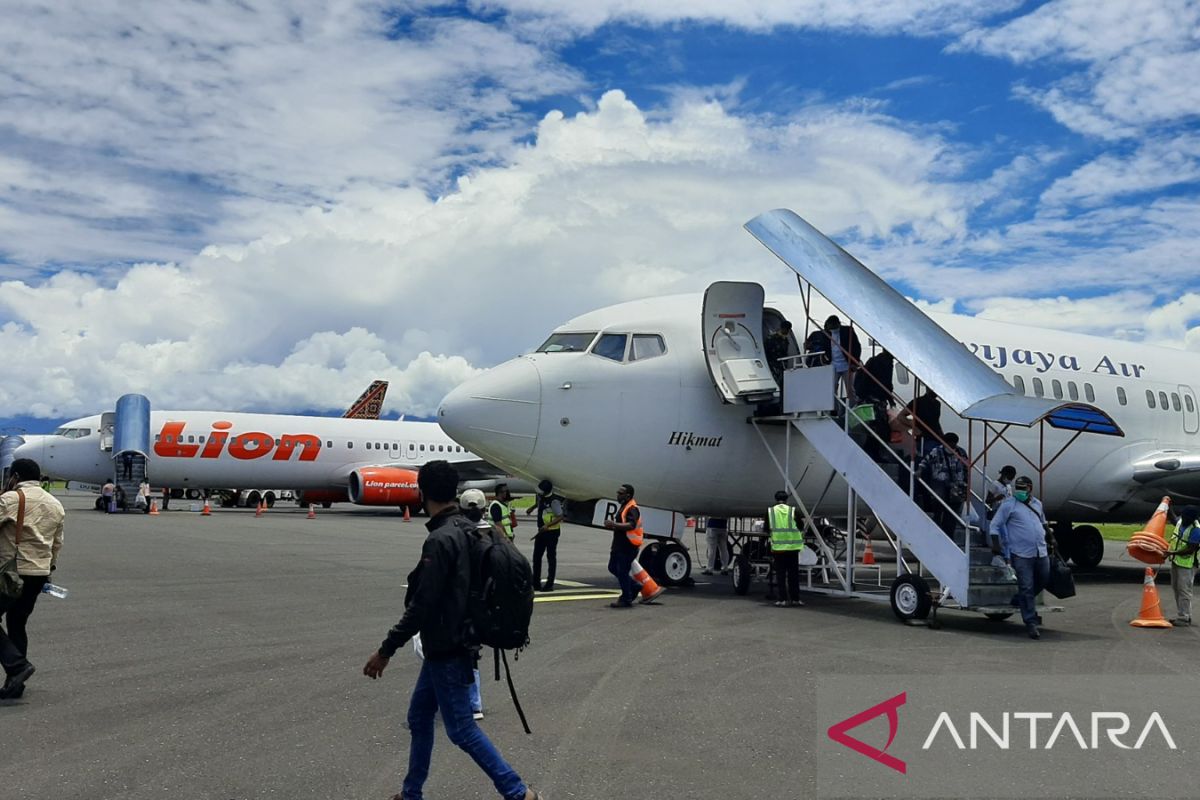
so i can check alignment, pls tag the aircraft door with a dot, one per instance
(108, 423)
(1191, 411)
(732, 325)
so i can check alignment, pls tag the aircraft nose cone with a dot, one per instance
(496, 415)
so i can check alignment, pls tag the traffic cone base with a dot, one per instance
(258, 512)
(1150, 615)
(312, 511)
(650, 588)
(868, 554)
(407, 515)
(206, 511)
(153, 508)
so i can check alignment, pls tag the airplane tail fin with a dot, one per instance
(369, 404)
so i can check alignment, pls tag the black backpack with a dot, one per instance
(500, 600)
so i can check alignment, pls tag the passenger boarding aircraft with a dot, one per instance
(369, 462)
(626, 394)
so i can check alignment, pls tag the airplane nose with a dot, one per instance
(496, 415)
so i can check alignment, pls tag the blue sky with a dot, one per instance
(265, 206)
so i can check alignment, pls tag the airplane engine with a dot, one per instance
(384, 486)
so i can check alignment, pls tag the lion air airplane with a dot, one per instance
(368, 461)
(642, 393)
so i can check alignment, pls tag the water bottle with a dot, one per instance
(54, 590)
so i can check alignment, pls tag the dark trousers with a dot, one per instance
(1032, 575)
(545, 543)
(787, 574)
(619, 564)
(14, 642)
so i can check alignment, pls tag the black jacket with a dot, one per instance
(436, 601)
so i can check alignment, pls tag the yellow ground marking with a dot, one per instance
(561, 598)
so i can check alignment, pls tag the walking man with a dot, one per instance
(845, 351)
(31, 526)
(1019, 534)
(627, 540)
(1184, 544)
(787, 540)
(717, 530)
(435, 606)
(549, 511)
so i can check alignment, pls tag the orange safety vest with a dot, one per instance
(635, 535)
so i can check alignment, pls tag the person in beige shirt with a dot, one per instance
(40, 540)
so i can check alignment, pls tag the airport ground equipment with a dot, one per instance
(129, 444)
(933, 568)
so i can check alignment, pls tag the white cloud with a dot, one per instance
(1155, 165)
(1139, 59)
(602, 206)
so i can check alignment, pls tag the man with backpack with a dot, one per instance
(442, 604)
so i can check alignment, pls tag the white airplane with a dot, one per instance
(369, 462)
(636, 393)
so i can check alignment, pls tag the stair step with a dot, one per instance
(991, 575)
(991, 594)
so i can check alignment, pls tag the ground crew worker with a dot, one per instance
(787, 540)
(500, 513)
(1184, 544)
(549, 511)
(627, 540)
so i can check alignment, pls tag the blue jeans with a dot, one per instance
(619, 564)
(446, 685)
(1032, 576)
(476, 697)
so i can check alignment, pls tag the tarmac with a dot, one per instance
(221, 657)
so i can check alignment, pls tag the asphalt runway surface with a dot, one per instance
(220, 657)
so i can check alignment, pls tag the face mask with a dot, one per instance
(1021, 495)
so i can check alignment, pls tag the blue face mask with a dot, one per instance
(1021, 495)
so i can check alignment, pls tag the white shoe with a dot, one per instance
(478, 714)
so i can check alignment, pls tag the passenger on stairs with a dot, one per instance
(944, 469)
(926, 410)
(776, 347)
(127, 466)
(873, 384)
(845, 351)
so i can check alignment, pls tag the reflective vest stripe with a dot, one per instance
(785, 535)
(547, 513)
(1181, 542)
(505, 517)
(635, 535)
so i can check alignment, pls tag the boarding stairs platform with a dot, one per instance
(130, 483)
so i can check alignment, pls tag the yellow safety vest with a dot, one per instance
(785, 536)
(506, 517)
(547, 513)
(1179, 543)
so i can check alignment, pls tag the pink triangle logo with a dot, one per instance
(839, 733)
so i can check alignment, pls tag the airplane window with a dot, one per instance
(1150, 398)
(1019, 383)
(329, 444)
(1072, 390)
(1187, 401)
(1057, 384)
(1121, 398)
(200, 439)
(191, 439)
(411, 447)
(349, 445)
(611, 346)
(422, 448)
(86, 431)
(1162, 396)
(277, 442)
(170, 439)
(1175, 402)
(1038, 389)
(1089, 393)
(646, 345)
(60, 432)
(441, 449)
(902, 375)
(567, 342)
(157, 438)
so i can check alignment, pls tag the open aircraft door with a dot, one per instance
(733, 344)
(1191, 412)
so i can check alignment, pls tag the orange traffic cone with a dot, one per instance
(1150, 616)
(650, 589)
(407, 516)
(258, 511)
(206, 511)
(1150, 546)
(153, 508)
(868, 554)
(312, 511)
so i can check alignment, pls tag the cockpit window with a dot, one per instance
(567, 342)
(646, 345)
(611, 345)
(73, 433)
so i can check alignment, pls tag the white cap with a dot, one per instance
(473, 497)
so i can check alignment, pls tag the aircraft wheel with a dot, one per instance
(676, 564)
(651, 560)
(910, 597)
(269, 500)
(252, 500)
(742, 574)
(1087, 547)
(192, 494)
